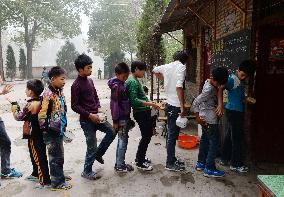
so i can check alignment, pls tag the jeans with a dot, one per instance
(234, 138)
(144, 121)
(173, 132)
(55, 150)
(122, 142)
(208, 146)
(5, 149)
(93, 151)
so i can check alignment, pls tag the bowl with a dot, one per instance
(187, 141)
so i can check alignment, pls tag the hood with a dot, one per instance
(113, 82)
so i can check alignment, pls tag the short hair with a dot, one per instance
(121, 68)
(56, 72)
(82, 60)
(138, 65)
(181, 56)
(248, 67)
(36, 86)
(220, 74)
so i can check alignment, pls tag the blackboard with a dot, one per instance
(231, 50)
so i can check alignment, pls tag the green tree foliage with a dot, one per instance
(10, 63)
(148, 48)
(172, 45)
(66, 56)
(23, 64)
(110, 62)
(39, 19)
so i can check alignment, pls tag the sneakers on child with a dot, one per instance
(124, 168)
(91, 175)
(144, 166)
(31, 178)
(175, 167)
(147, 160)
(180, 162)
(199, 166)
(63, 186)
(213, 173)
(224, 163)
(13, 174)
(241, 169)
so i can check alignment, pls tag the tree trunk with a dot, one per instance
(29, 61)
(1, 57)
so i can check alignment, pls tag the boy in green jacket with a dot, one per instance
(142, 113)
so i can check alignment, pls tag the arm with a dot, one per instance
(19, 114)
(75, 103)
(96, 96)
(179, 88)
(115, 106)
(42, 115)
(219, 110)
(158, 72)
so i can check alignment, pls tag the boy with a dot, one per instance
(234, 137)
(53, 123)
(120, 111)
(141, 112)
(205, 108)
(31, 131)
(85, 101)
(173, 75)
(5, 145)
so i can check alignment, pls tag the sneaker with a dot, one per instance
(213, 173)
(125, 168)
(13, 174)
(68, 178)
(175, 167)
(199, 166)
(144, 166)
(129, 167)
(241, 169)
(147, 160)
(63, 186)
(31, 178)
(100, 160)
(224, 163)
(91, 176)
(180, 162)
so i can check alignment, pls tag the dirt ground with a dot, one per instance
(159, 182)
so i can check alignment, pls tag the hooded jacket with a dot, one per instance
(119, 101)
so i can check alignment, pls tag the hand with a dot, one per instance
(155, 106)
(219, 111)
(115, 126)
(6, 89)
(201, 121)
(94, 118)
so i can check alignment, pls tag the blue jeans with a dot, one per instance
(208, 147)
(122, 142)
(93, 151)
(173, 132)
(55, 151)
(5, 149)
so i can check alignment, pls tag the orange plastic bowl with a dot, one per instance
(187, 141)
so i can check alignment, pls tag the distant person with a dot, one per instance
(234, 137)
(85, 101)
(99, 74)
(173, 75)
(120, 112)
(205, 106)
(5, 146)
(44, 77)
(31, 131)
(142, 113)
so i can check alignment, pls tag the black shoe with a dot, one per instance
(180, 163)
(147, 160)
(100, 160)
(144, 166)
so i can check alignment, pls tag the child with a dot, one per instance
(205, 108)
(53, 122)
(141, 112)
(31, 131)
(5, 145)
(232, 150)
(85, 101)
(120, 111)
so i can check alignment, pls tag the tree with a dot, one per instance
(66, 56)
(43, 20)
(172, 45)
(110, 62)
(10, 63)
(23, 64)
